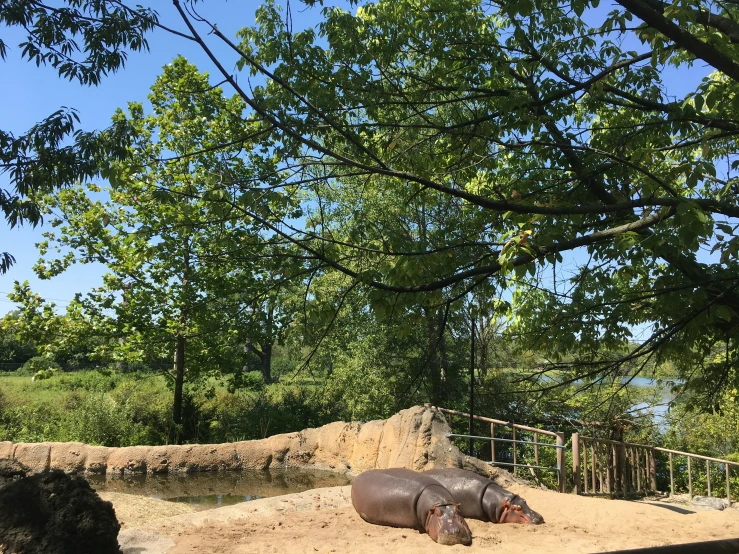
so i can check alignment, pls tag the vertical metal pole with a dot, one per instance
(561, 462)
(708, 476)
(536, 449)
(592, 464)
(472, 379)
(728, 486)
(514, 451)
(492, 443)
(672, 480)
(690, 480)
(585, 476)
(576, 462)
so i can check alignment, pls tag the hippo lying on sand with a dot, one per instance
(480, 498)
(406, 498)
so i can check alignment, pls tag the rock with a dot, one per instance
(12, 468)
(54, 513)
(708, 502)
(413, 438)
(35, 456)
(70, 457)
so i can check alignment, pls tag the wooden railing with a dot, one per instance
(612, 467)
(559, 444)
(601, 466)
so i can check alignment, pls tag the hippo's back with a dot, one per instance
(389, 496)
(467, 488)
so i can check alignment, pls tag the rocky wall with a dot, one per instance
(413, 438)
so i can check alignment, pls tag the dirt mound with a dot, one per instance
(53, 513)
(413, 438)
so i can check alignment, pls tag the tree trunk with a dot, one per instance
(180, 349)
(443, 358)
(266, 362)
(178, 385)
(432, 357)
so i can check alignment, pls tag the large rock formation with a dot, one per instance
(413, 438)
(54, 513)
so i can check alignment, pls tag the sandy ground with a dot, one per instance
(323, 521)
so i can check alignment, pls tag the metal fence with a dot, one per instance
(515, 432)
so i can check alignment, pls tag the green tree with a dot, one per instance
(164, 228)
(71, 339)
(549, 135)
(563, 147)
(84, 40)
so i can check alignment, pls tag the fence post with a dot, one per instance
(728, 486)
(561, 462)
(608, 453)
(536, 449)
(592, 465)
(652, 470)
(708, 476)
(576, 461)
(623, 479)
(672, 481)
(585, 474)
(690, 480)
(492, 442)
(515, 469)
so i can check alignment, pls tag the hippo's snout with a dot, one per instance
(535, 518)
(446, 525)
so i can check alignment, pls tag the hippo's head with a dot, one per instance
(445, 525)
(515, 510)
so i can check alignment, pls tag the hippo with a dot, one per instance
(480, 498)
(404, 498)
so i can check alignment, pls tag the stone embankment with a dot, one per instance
(413, 438)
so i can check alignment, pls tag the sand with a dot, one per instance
(324, 521)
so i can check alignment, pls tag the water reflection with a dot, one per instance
(222, 488)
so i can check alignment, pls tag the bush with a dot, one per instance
(99, 419)
(38, 364)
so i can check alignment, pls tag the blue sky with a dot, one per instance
(37, 92)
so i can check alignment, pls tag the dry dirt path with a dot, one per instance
(323, 521)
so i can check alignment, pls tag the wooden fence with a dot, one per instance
(515, 430)
(601, 466)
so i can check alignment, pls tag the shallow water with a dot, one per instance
(219, 488)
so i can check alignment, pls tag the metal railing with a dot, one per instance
(515, 427)
(621, 468)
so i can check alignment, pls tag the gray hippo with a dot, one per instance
(405, 498)
(480, 498)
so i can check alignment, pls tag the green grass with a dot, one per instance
(123, 409)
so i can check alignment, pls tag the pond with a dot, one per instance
(219, 488)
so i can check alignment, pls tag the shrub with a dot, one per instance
(99, 419)
(38, 364)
